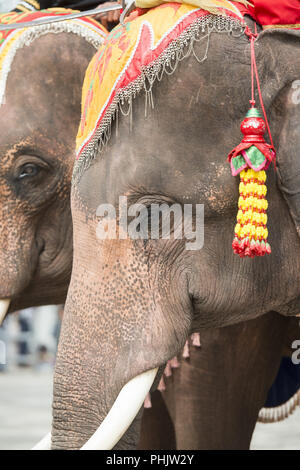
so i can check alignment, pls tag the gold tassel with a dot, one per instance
(251, 232)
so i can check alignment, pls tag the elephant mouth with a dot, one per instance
(7, 303)
(129, 401)
(47, 279)
(174, 363)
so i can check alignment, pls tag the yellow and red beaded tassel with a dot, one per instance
(251, 232)
(250, 159)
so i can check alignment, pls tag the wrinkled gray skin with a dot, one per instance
(38, 122)
(133, 304)
(213, 399)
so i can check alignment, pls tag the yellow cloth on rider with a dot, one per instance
(208, 5)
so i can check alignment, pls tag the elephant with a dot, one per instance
(133, 302)
(177, 419)
(39, 118)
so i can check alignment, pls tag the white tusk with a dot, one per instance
(4, 304)
(44, 444)
(124, 410)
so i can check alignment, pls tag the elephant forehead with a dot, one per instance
(147, 179)
(132, 59)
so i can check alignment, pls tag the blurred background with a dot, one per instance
(7, 5)
(30, 337)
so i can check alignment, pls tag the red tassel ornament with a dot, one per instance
(250, 159)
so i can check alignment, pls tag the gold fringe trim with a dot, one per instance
(279, 413)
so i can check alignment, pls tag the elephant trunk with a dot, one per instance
(107, 361)
(99, 389)
(119, 418)
(122, 413)
(126, 315)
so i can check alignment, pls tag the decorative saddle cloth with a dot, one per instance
(268, 13)
(12, 40)
(133, 56)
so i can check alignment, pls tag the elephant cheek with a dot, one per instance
(18, 254)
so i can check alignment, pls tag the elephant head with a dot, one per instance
(132, 302)
(40, 95)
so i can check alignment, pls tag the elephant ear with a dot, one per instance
(289, 184)
(288, 155)
(286, 114)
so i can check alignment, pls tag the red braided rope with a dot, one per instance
(252, 36)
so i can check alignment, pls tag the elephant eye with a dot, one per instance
(28, 170)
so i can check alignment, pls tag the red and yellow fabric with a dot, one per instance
(127, 51)
(13, 39)
(212, 6)
(250, 159)
(276, 14)
(15, 17)
(268, 13)
(272, 13)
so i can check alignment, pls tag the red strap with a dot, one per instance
(252, 36)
